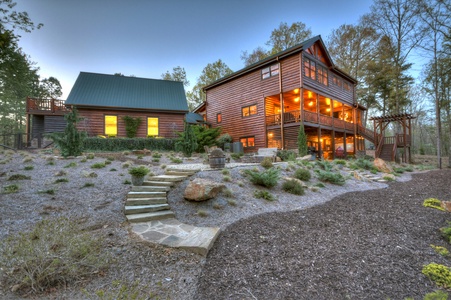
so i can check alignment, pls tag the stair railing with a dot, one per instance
(380, 143)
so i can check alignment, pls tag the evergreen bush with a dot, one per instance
(286, 155)
(267, 178)
(334, 178)
(302, 174)
(205, 137)
(131, 125)
(302, 141)
(187, 141)
(293, 187)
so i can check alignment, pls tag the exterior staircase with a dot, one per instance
(149, 202)
(386, 152)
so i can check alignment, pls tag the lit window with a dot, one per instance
(219, 118)
(336, 81)
(247, 141)
(310, 68)
(249, 110)
(270, 71)
(347, 86)
(152, 126)
(111, 125)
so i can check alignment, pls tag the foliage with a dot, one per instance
(55, 252)
(178, 74)
(264, 195)
(131, 125)
(267, 163)
(227, 193)
(446, 232)
(225, 172)
(71, 141)
(334, 178)
(361, 163)
(293, 186)
(436, 295)
(61, 180)
(286, 155)
(138, 171)
(9, 189)
(340, 162)
(236, 156)
(205, 137)
(302, 141)
(211, 73)
(302, 174)
(176, 160)
(226, 178)
(28, 168)
(267, 178)
(324, 165)
(121, 144)
(71, 165)
(202, 213)
(222, 139)
(440, 250)
(18, 177)
(433, 203)
(440, 274)
(187, 141)
(98, 165)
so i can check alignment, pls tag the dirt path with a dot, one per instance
(360, 245)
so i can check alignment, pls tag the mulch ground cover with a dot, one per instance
(360, 245)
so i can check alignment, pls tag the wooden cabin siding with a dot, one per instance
(290, 73)
(229, 98)
(54, 124)
(38, 125)
(94, 122)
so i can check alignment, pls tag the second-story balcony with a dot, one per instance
(37, 106)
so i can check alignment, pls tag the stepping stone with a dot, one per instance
(150, 188)
(189, 171)
(146, 194)
(145, 217)
(170, 178)
(158, 183)
(179, 173)
(146, 201)
(139, 209)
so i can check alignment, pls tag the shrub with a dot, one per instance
(49, 192)
(446, 232)
(18, 177)
(187, 141)
(28, 168)
(71, 165)
(286, 155)
(388, 178)
(55, 252)
(127, 182)
(138, 171)
(398, 170)
(440, 274)
(334, 178)
(60, 180)
(225, 172)
(89, 174)
(127, 144)
(88, 184)
(61, 173)
(226, 178)
(217, 205)
(236, 156)
(113, 170)
(222, 139)
(440, 250)
(302, 141)
(362, 163)
(293, 187)
(267, 178)
(140, 156)
(320, 185)
(436, 295)
(433, 203)
(227, 193)
(302, 174)
(340, 162)
(264, 195)
(127, 164)
(90, 156)
(98, 165)
(176, 160)
(205, 137)
(9, 189)
(267, 163)
(324, 165)
(27, 159)
(131, 125)
(156, 155)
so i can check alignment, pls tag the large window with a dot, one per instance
(270, 71)
(152, 126)
(322, 75)
(248, 141)
(249, 110)
(110, 125)
(310, 68)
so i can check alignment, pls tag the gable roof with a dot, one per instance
(276, 57)
(112, 91)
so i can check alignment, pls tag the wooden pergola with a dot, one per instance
(386, 146)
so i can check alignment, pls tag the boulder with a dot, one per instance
(446, 205)
(202, 189)
(382, 166)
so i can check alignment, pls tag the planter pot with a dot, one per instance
(137, 180)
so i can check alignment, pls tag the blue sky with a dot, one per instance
(146, 38)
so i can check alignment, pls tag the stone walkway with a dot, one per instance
(152, 219)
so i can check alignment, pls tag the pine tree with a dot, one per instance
(187, 142)
(71, 141)
(302, 141)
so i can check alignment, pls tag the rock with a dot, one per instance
(446, 205)
(202, 189)
(382, 166)
(306, 157)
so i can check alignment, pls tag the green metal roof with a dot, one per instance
(112, 91)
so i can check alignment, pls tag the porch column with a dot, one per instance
(344, 144)
(333, 144)
(319, 143)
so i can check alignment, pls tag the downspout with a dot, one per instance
(282, 110)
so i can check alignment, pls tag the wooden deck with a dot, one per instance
(46, 107)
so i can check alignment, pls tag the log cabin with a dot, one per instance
(262, 105)
(104, 100)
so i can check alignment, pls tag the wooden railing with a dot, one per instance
(53, 106)
(379, 143)
(366, 133)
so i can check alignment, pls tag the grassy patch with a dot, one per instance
(71, 165)
(293, 187)
(122, 290)
(54, 253)
(302, 174)
(202, 213)
(18, 177)
(61, 180)
(9, 189)
(28, 168)
(49, 192)
(334, 178)
(264, 195)
(88, 184)
(98, 165)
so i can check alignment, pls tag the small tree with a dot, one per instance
(302, 141)
(131, 125)
(187, 142)
(71, 141)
